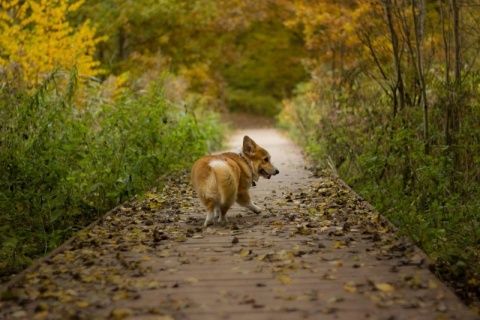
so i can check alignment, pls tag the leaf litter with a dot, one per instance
(334, 234)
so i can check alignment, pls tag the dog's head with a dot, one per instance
(260, 159)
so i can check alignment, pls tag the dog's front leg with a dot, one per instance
(244, 200)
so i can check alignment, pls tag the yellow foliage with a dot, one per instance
(37, 39)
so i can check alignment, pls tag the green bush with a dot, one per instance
(62, 167)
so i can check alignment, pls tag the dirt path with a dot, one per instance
(315, 252)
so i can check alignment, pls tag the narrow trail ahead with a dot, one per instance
(316, 251)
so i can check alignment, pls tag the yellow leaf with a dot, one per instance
(120, 295)
(121, 313)
(284, 279)
(41, 315)
(384, 287)
(245, 252)
(191, 280)
(277, 223)
(432, 284)
(82, 304)
(350, 287)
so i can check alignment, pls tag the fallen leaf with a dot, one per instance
(350, 286)
(167, 317)
(442, 307)
(19, 314)
(41, 315)
(384, 287)
(335, 299)
(82, 304)
(432, 284)
(284, 279)
(122, 294)
(191, 280)
(328, 276)
(121, 313)
(337, 263)
(245, 252)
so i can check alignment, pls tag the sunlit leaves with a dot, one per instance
(37, 39)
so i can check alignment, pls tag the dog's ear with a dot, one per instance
(249, 146)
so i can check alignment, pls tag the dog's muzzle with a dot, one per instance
(267, 175)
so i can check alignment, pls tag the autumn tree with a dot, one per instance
(400, 121)
(236, 53)
(37, 38)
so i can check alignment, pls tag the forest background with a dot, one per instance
(102, 99)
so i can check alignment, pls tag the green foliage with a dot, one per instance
(266, 68)
(62, 167)
(239, 100)
(213, 44)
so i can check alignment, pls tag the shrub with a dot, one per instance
(62, 167)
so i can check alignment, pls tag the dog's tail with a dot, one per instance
(225, 185)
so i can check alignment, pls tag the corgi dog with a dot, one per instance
(220, 180)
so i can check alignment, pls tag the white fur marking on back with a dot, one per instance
(217, 163)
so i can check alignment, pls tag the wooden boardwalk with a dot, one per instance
(316, 251)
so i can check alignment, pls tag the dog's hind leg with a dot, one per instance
(218, 213)
(223, 214)
(212, 211)
(209, 219)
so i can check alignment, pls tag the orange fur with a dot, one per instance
(222, 179)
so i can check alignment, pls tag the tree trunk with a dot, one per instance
(399, 86)
(455, 97)
(419, 23)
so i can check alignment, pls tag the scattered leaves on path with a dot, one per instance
(319, 231)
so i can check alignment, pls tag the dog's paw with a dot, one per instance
(256, 209)
(206, 224)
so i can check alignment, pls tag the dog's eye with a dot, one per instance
(266, 159)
